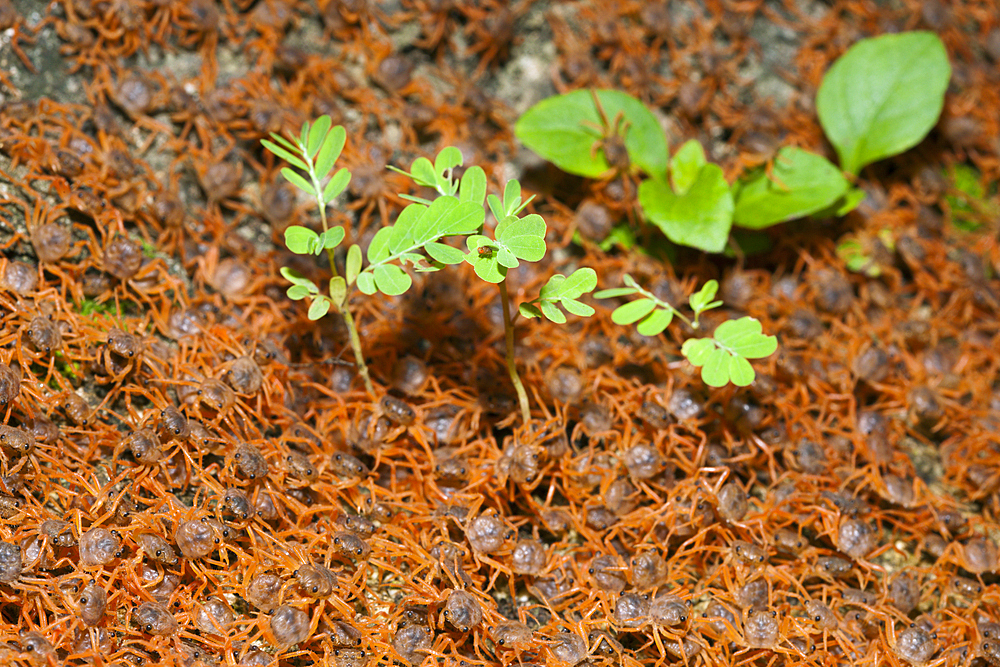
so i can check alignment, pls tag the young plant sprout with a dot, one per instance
(415, 238)
(516, 238)
(723, 357)
(315, 151)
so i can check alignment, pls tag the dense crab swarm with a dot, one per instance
(190, 474)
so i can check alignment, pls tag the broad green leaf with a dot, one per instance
(301, 240)
(472, 187)
(525, 237)
(366, 283)
(744, 337)
(801, 183)
(285, 155)
(613, 292)
(338, 291)
(403, 232)
(422, 172)
(336, 185)
(297, 279)
(330, 151)
(297, 292)
(552, 313)
(317, 133)
(562, 130)
(686, 165)
(529, 311)
(700, 218)
(298, 181)
(656, 322)
(883, 96)
(703, 297)
(633, 311)
(391, 280)
(331, 238)
(353, 267)
(444, 253)
(378, 249)
(511, 197)
(319, 307)
(576, 308)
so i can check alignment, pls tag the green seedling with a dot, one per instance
(516, 238)
(883, 96)
(723, 357)
(879, 99)
(314, 152)
(416, 239)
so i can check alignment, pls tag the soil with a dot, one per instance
(178, 434)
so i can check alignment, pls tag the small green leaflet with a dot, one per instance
(565, 292)
(723, 358)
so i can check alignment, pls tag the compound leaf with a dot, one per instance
(524, 237)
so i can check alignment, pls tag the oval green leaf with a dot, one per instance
(883, 96)
(655, 323)
(444, 253)
(353, 267)
(391, 280)
(701, 218)
(366, 283)
(301, 240)
(801, 183)
(563, 130)
(633, 311)
(319, 307)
